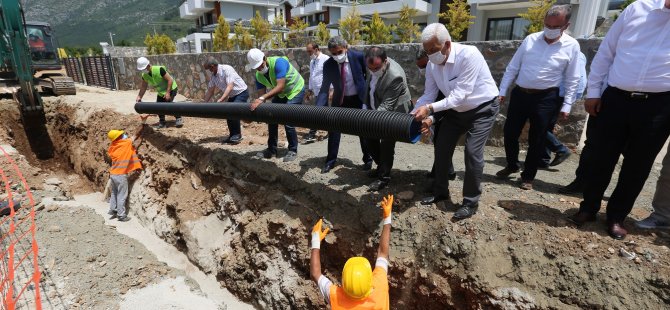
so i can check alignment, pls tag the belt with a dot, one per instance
(638, 95)
(536, 91)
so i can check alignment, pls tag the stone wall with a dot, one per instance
(126, 51)
(192, 78)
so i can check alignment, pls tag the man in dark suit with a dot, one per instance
(386, 91)
(345, 71)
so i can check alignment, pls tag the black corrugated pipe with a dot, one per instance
(365, 123)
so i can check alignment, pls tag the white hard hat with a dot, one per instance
(142, 63)
(255, 58)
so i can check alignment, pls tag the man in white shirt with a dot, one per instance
(226, 79)
(463, 76)
(542, 62)
(315, 78)
(633, 112)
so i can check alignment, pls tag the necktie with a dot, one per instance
(343, 78)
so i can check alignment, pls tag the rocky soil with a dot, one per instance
(247, 220)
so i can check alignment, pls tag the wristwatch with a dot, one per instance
(262, 98)
(430, 107)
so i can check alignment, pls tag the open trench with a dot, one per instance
(247, 221)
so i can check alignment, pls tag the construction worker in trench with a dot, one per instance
(161, 80)
(362, 288)
(122, 151)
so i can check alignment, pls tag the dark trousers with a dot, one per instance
(634, 128)
(159, 98)
(273, 129)
(476, 124)
(587, 152)
(234, 127)
(553, 145)
(540, 109)
(382, 151)
(352, 102)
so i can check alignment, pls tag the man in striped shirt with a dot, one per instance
(226, 79)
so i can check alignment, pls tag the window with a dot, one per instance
(511, 28)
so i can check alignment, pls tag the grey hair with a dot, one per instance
(337, 41)
(435, 30)
(211, 61)
(558, 10)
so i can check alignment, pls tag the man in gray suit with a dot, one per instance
(386, 91)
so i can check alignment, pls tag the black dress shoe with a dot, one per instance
(616, 230)
(367, 166)
(452, 176)
(576, 187)
(505, 173)
(560, 157)
(373, 174)
(465, 212)
(433, 199)
(580, 218)
(233, 140)
(377, 185)
(327, 168)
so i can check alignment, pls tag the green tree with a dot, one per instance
(406, 30)
(242, 37)
(377, 31)
(535, 15)
(458, 18)
(297, 36)
(260, 29)
(221, 41)
(278, 37)
(322, 34)
(351, 25)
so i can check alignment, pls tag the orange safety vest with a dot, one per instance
(124, 157)
(378, 299)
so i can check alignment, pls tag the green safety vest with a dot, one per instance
(157, 81)
(294, 81)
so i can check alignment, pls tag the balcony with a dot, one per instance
(310, 7)
(185, 13)
(390, 9)
(200, 6)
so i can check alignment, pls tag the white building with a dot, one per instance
(314, 12)
(426, 11)
(205, 13)
(499, 19)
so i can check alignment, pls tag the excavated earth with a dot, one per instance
(247, 220)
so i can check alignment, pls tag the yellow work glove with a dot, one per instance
(387, 205)
(318, 234)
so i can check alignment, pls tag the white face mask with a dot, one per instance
(264, 70)
(313, 56)
(340, 58)
(145, 71)
(422, 71)
(437, 57)
(552, 34)
(377, 73)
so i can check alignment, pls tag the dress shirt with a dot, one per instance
(465, 79)
(349, 86)
(373, 87)
(635, 54)
(316, 73)
(582, 79)
(539, 65)
(225, 75)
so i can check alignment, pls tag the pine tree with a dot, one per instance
(377, 31)
(406, 30)
(535, 15)
(351, 25)
(260, 29)
(149, 43)
(296, 34)
(322, 34)
(221, 42)
(278, 37)
(458, 18)
(242, 37)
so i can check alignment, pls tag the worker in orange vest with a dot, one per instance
(124, 161)
(362, 288)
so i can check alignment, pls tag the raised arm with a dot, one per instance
(315, 259)
(385, 239)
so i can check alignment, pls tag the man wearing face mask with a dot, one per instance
(388, 91)
(276, 78)
(345, 72)
(541, 63)
(225, 78)
(161, 80)
(461, 73)
(316, 61)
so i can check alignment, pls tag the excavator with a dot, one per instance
(28, 61)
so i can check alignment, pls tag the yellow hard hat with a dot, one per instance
(114, 134)
(357, 277)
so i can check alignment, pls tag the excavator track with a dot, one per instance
(62, 85)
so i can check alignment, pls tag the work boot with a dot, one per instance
(179, 123)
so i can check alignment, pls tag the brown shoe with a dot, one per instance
(580, 218)
(616, 230)
(526, 185)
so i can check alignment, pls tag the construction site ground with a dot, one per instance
(212, 227)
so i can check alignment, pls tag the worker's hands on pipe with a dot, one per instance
(425, 126)
(421, 113)
(318, 234)
(223, 99)
(501, 100)
(387, 206)
(167, 96)
(138, 99)
(592, 106)
(563, 116)
(255, 104)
